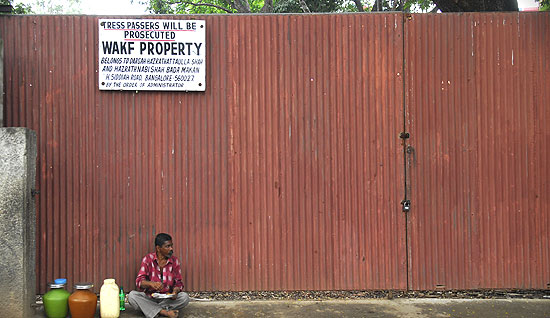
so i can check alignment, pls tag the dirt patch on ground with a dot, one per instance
(326, 295)
(366, 294)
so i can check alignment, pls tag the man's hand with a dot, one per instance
(156, 285)
(153, 285)
(176, 291)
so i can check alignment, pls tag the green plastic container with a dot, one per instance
(56, 303)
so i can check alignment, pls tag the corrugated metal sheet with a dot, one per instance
(317, 167)
(117, 167)
(477, 108)
(286, 174)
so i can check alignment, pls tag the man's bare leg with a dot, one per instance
(169, 313)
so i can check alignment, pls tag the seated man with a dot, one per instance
(160, 272)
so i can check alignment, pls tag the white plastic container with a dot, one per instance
(109, 302)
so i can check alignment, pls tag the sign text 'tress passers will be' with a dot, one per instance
(152, 55)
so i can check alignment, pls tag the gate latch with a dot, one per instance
(406, 205)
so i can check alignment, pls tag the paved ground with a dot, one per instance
(372, 308)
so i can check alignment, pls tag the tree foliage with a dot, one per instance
(18, 8)
(242, 6)
(45, 6)
(476, 5)
(282, 6)
(56, 6)
(306, 6)
(203, 6)
(285, 6)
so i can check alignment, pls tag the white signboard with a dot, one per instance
(153, 55)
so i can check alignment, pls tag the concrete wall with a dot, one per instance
(1, 83)
(17, 222)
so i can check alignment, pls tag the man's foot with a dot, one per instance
(169, 313)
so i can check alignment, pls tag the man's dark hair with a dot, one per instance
(162, 238)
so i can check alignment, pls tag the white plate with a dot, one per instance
(161, 296)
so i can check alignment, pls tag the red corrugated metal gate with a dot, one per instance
(477, 107)
(288, 173)
(316, 171)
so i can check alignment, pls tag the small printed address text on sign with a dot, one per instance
(154, 55)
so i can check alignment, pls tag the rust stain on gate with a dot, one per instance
(288, 172)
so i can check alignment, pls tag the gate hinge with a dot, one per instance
(406, 205)
(404, 135)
